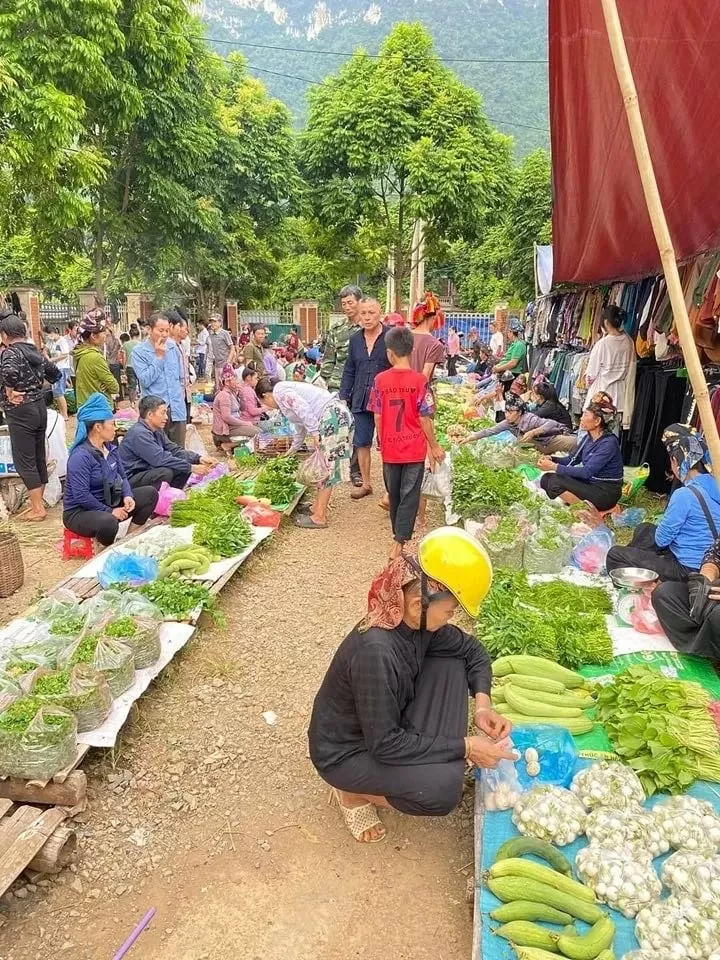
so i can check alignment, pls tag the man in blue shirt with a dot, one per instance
(675, 548)
(160, 369)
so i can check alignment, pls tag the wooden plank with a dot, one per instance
(4, 807)
(28, 843)
(294, 502)
(11, 827)
(62, 775)
(70, 793)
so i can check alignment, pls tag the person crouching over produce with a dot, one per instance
(675, 548)
(322, 422)
(595, 471)
(149, 456)
(229, 429)
(390, 721)
(98, 496)
(548, 436)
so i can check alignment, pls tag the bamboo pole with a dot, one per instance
(535, 271)
(661, 230)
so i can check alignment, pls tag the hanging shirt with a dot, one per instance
(401, 397)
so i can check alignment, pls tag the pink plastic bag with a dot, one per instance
(643, 617)
(591, 552)
(260, 516)
(314, 470)
(166, 498)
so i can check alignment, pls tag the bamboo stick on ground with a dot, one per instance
(661, 230)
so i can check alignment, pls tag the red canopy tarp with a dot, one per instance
(601, 228)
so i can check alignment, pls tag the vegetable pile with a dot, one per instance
(558, 620)
(661, 728)
(223, 536)
(198, 506)
(617, 878)
(608, 784)
(550, 813)
(141, 634)
(479, 491)
(688, 823)
(36, 740)
(177, 598)
(530, 690)
(188, 559)
(81, 690)
(276, 480)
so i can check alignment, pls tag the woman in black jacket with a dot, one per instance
(23, 372)
(548, 406)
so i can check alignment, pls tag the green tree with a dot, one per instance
(397, 139)
(529, 219)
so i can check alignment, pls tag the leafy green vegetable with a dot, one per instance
(558, 620)
(67, 625)
(225, 489)
(276, 480)
(121, 627)
(52, 684)
(20, 714)
(661, 727)
(224, 536)
(85, 650)
(479, 491)
(199, 505)
(177, 598)
(20, 668)
(506, 532)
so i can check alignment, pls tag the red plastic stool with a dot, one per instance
(76, 546)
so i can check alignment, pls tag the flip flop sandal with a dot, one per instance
(384, 506)
(359, 820)
(307, 523)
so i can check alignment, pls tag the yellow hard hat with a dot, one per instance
(456, 560)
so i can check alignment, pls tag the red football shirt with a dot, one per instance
(401, 397)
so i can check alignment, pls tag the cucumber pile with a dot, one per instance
(535, 690)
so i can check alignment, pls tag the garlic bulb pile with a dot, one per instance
(629, 826)
(693, 875)
(608, 784)
(679, 928)
(550, 813)
(616, 878)
(688, 824)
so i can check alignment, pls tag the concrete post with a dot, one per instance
(231, 309)
(30, 305)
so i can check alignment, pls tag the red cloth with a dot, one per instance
(401, 397)
(601, 228)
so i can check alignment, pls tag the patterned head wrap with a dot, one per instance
(429, 307)
(519, 385)
(386, 600)
(228, 373)
(686, 446)
(515, 326)
(605, 411)
(394, 320)
(515, 403)
(93, 321)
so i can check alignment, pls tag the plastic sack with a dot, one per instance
(500, 786)
(260, 516)
(550, 813)
(642, 616)
(9, 687)
(557, 755)
(193, 441)
(591, 552)
(220, 470)
(630, 517)
(678, 928)
(202, 413)
(503, 539)
(694, 875)
(116, 662)
(495, 453)
(43, 653)
(608, 783)
(630, 825)
(437, 483)
(314, 470)
(547, 550)
(62, 602)
(86, 694)
(166, 498)
(43, 747)
(141, 634)
(688, 823)
(612, 872)
(129, 568)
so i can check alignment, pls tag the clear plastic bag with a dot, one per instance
(193, 440)
(39, 750)
(689, 824)
(632, 825)
(42, 653)
(141, 634)
(437, 483)
(119, 604)
(496, 453)
(129, 568)
(617, 878)
(116, 662)
(608, 784)
(679, 928)
(86, 694)
(314, 470)
(501, 786)
(630, 517)
(166, 498)
(62, 602)
(694, 875)
(590, 554)
(548, 549)
(550, 813)
(557, 755)
(503, 541)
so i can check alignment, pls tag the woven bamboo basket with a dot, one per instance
(12, 569)
(275, 448)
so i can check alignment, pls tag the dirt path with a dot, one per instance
(219, 821)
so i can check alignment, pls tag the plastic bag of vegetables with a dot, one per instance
(80, 689)
(627, 826)
(548, 549)
(689, 824)
(550, 813)
(694, 875)
(617, 878)
(114, 660)
(503, 541)
(140, 634)
(36, 740)
(608, 784)
(679, 928)
(501, 787)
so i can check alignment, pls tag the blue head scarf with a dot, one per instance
(686, 446)
(95, 408)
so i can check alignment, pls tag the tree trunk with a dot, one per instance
(99, 258)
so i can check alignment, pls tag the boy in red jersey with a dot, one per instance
(403, 404)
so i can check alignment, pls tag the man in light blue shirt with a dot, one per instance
(160, 369)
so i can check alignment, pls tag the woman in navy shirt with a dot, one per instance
(595, 471)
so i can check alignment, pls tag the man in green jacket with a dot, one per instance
(92, 373)
(337, 344)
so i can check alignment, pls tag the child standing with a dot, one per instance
(403, 405)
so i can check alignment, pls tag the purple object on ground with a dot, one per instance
(135, 934)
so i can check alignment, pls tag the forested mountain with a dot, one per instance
(515, 94)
